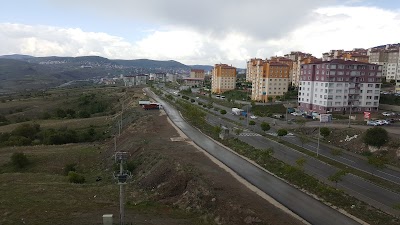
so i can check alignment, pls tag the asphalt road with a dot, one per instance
(347, 159)
(303, 205)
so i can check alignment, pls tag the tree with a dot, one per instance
(265, 126)
(282, 132)
(252, 122)
(269, 98)
(376, 136)
(253, 103)
(278, 97)
(217, 129)
(223, 111)
(324, 131)
(19, 160)
(337, 177)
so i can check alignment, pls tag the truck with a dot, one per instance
(151, 106)
(243, 113)
(236, 111)
(144, 102)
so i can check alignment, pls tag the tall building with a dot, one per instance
(197, 73)
(223, 78)
(357, 54)
(388, 56)
(298, 59)
(269, 79)
(338, 85)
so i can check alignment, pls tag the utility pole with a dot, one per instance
(350, 115)
(319, 134)
(122, 177)
(287, 108)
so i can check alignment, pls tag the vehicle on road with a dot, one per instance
(296, 113)
(253, 117)
(387, 114)
(379, 122)
(371, 123)
(278, 116)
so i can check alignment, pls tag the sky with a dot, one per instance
(202, 32)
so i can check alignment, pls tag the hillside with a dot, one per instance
(24, 72)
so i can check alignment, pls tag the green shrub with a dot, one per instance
(19, 160)
(324, 131)
(282, 132)
(252, 122)
(223, 111)
(69, 167)
(376, 136)
(192, 100)
(265, 126)
(76, 178)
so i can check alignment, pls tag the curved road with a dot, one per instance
(303, 205)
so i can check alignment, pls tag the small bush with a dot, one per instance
(19, 160)
(76, 178)
(69, 167)
(192, 100)
(252, 122)
(282, 132)
(223, 111)
(324, 131)
(265, 126)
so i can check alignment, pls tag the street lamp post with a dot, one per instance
(319, 134)
(350, 115)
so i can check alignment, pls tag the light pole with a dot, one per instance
(351, 106)
(122, 177)
(319, 133)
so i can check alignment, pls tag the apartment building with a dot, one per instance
(338, 85)
(388, 56)
(380, 57)
(193, 82)
(135, 80)
(269, 79)
(297, 59)
(197, 73)
(357, 54)
(223, 78)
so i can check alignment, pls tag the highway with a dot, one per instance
(307, 207)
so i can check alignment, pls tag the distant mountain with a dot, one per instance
(23, 72)
(147, 63)
(17, 57)
(202, 67)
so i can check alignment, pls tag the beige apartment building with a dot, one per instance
(270, 79)
(197, 73)
(223, 78)
(298, 58)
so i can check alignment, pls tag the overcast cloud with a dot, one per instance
(207, 32)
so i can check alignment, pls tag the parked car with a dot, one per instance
(296, 113)
(388, 114)
(307, 116)
(253, 117)
(371, 123)
(379, 122)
